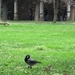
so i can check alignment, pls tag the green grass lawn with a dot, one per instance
(51, 43)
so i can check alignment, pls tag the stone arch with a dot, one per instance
(10, 11)
(61, 7)
(23, 7)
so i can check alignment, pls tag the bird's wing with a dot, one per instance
(32, 61)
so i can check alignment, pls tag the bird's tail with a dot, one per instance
(38, 62)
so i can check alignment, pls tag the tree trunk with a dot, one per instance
(4, 14)
(37, 10)
(55, 7)
(0, 8)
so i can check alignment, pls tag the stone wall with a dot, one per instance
(25, 5)
(23, 8)
(50, 10)
(10, 10)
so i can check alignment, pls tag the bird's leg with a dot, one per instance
(30, 67)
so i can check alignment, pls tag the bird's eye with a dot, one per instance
(27, 56)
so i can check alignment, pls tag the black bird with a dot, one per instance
(30, 61)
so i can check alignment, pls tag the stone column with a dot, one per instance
(41, 10)
(0, 8)
(72, 13)
(15, 10)
(68, 11)
(37, 10)
(4, 10)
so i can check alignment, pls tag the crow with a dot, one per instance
(30, 61)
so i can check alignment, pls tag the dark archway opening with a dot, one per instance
(10, 9)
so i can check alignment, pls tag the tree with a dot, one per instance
(55, 6)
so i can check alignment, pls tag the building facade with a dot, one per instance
(20, 10)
